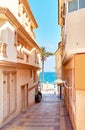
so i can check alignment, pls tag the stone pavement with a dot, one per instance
(50, 114)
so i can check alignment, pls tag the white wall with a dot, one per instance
(11, 5)
(8, 37)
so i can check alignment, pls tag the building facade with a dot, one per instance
(58, 61)
(59, 68)
(71, 18)
(19, 58)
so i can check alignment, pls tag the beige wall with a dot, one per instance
(75, 32)
(75, 90)
(70, 95)
(58, 66)
(1, 96)
(80, 71)
(80, 110)
(80, 90)
(11, 92)
(58, 61)
(73, 38)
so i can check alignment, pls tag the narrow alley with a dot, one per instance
(49, 114)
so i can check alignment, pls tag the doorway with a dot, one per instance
(22, 97)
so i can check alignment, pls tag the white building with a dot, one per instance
(19, 58)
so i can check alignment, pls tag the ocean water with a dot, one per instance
(49, 77)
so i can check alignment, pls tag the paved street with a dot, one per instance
(50, 114)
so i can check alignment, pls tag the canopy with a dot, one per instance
(59, 81)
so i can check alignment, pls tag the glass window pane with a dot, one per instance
(72, 5)
(81, 3)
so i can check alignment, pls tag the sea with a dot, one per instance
(49, 77)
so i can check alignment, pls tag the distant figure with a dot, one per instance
(54, 85)
(54, 88)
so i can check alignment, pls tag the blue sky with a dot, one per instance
(48, 31)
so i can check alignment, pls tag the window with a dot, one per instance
(3, 49)
(27, 58)
(75, 5)
(34, 77)
(30, 73)
(20, 54)
(81, 4)
(72, 5)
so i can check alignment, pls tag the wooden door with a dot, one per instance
(6, 95)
